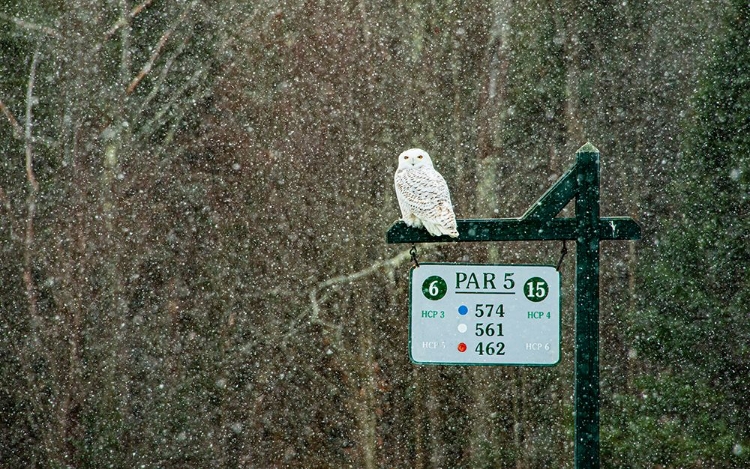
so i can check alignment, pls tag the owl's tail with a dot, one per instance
(452, 232)
(438, 229)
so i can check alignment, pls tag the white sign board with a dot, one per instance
(479, 314)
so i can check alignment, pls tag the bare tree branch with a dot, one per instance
(29, 117)
(32, 26)
(125, 59)
(159, 46)
(4, 200)
(125, 20)
(151, 125)
(33, 189)
(334, 282)
(17, 130)
(348, 278)
(162, 77)
(198, 95)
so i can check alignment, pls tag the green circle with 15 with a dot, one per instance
(535, 289)
(434, 288)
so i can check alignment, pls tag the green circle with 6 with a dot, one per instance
(434, 288)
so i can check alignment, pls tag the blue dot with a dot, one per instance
(462, 310)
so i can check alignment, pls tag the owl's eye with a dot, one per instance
(420, 157)
(406, 157)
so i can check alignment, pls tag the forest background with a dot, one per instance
(194, 197)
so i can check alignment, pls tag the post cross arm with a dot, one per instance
(515, 229)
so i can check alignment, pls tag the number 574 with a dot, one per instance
(485, 311)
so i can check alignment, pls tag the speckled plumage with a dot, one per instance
(423, 194)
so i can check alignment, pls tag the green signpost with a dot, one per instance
(588, 229)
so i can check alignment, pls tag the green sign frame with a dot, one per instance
(510, 310)
(582, 183)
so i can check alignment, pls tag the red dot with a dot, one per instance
(462, 347)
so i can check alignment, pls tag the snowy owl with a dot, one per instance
(423, 194)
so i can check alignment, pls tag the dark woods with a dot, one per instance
(194, 198)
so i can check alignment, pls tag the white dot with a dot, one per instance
(462, 328)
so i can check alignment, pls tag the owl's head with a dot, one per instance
(414, 158)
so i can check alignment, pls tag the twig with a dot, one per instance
(5, 204)
(29, 105)
(32, 26)
(4, 200)
(199, 94)
(157, 50)
(124, 20)
(348, 278)
(17, 130)
(162, 78)
(125, 58)
(31, 200)
(316, 300)
(147, 129)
